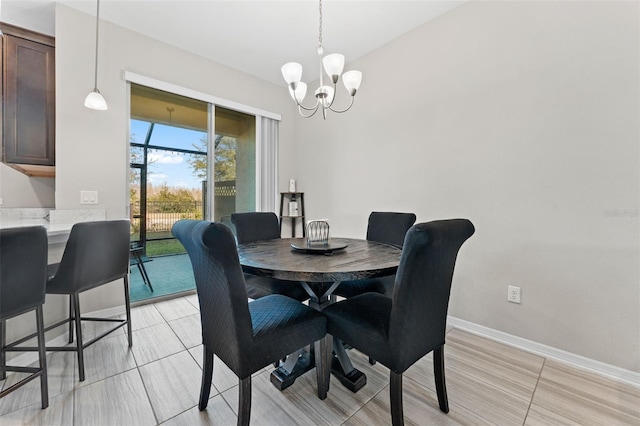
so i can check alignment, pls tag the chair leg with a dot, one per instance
(323, 364)
(244, 404)
(207, 376)
(42, 355)
(3, 354)
(79, 344)
(127, 307)
(438, 372)
(395, 393)
(71, 317)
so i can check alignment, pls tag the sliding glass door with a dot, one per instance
(173, 159)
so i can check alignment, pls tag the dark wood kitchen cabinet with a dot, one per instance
(28, 110)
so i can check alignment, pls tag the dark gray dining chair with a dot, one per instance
(96, 253)
(23, 277)
(246, 336)
(258, 226)
(400, 330)
(386, 228)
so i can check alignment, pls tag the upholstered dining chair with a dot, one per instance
(96, 253)
(246, 336)
(23, 277)
(386, 228)
(257, 226)
(400, 330)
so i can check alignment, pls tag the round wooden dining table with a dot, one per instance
(319, 269)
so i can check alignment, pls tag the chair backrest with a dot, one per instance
(23, 269)
(95, 254)
(255, 226)
(389, 227)
(224, 309)
(422, 287)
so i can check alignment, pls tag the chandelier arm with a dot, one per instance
(313, 108)
(308, 109)
(344, 110)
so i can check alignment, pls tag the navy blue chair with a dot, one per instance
(386, 228)
(245, 336)
(258, 226)
(400, 330)
(23, 278)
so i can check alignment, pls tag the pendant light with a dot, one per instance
(94, 100)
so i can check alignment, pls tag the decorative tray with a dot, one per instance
(318, 248)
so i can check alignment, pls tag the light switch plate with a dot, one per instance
(88, 197)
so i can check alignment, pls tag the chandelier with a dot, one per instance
(325, 94)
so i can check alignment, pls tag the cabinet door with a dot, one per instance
(29, 108)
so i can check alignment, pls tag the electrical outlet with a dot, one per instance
(513, 294)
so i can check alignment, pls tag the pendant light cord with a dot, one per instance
(95, 85)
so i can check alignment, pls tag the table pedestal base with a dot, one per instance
(282, 379)
(353, 380)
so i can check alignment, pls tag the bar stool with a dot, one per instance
(96, 253)
(23, 277)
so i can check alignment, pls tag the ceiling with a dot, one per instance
(253, 36)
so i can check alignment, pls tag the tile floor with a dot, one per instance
(158, 380)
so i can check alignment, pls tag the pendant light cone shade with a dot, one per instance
(94, 99)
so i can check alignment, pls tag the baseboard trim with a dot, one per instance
(579, 361)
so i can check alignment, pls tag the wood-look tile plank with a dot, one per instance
(268, 405)
(153, 343)
(482, 398)
(340, 403)
(491, 349)
(173, 384)
(223, 377)
(420, 408)
(193, 299)
(538, 416)
(145, 316)
(118, 400)
(188, 330)
(61, 378)
(175, 308)
(59, 412)
(105, 358)
(586, 398)
(217, 413)
(511, 370)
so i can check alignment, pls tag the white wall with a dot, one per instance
(92, 146)
(524, 118)
(20, 190)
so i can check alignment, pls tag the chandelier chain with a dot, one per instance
(320, 26)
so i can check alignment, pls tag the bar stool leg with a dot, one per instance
(127, 307)
(3, 354)
(71, 315)
(42, 355)
(79, 344)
